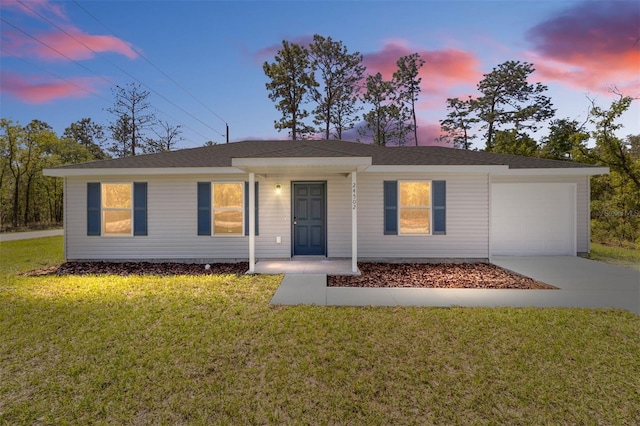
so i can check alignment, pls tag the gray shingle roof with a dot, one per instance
(221, 155)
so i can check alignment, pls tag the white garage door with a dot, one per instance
(533, 219)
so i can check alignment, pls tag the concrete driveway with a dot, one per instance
(582, 282)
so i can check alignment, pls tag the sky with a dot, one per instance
(202, 61)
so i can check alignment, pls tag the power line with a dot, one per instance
(111, 83)
(120, 68)
(152, 64)
(57, 51)
(59, 77)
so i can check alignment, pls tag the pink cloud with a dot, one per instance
(80, 46)
(36, 90)
(34, 7)
(591, 45)
(75, 44)
(442, 70)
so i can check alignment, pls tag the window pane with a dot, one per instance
(227, 222)
(117, 222)
(227, 195)
(415, 221)
(116, 195)
(415, 194)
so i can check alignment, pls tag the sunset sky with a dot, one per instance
(202, 60)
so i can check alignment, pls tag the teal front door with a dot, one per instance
(309, 219)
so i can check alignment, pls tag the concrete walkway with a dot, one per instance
(580, 282)
(14, 236)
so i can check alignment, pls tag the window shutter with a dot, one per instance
(246, 208)
(204, 208)
(390, 207)
(439, 189)
(140, 208)
(93, 208)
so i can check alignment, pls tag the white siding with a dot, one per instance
(172, 221)
(171, 224)
(582, 201)
(466, 212)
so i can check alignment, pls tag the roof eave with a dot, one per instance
(302, 164)
(437, 168)
(557, 171)
(138, 171)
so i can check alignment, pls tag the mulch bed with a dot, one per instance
(142, 268)
(416, 275)
(436, 275)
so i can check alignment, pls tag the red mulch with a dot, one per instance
(436, 275)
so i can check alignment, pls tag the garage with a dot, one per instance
(530, 219)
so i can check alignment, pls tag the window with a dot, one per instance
(228, 208)
(117, 209)
(414, 207)
(220, 208)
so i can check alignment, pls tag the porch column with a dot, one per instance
(252, 223)
(354, 222)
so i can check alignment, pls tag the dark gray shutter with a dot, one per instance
(439, 189)
(140, 208)
(390, 207)
(93, 208)
(246, 208)
(204, 208)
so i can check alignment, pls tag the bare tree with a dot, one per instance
(168, 136)
(133, 115)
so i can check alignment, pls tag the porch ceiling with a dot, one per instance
(307, 165)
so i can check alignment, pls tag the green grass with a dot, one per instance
(210, 350)
(620, 256)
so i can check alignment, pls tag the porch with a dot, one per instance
(305, 265)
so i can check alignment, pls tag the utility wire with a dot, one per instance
(120, 68)
(57, 51)
(57, 76)
(152, 64)
(89, 70)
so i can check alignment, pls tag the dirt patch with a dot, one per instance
(440, 275)
(142, 268)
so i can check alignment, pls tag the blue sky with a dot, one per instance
(214, 51)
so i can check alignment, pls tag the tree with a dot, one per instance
(340, 76)
(88, 134)
(458, 124)
(565, 138)
(168, 136)
(380, 120)
(507, 99)
(515, 143)
(407, 84)
(133, 115)
(291, 80)
(610, 150)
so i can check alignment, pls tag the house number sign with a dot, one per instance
(354, 197)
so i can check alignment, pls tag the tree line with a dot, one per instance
(501, 117)
(328, 77)
(27, 197)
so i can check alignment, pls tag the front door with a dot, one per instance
(309, 219)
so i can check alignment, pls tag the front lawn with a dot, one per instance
(621, 256)
(211, 350)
